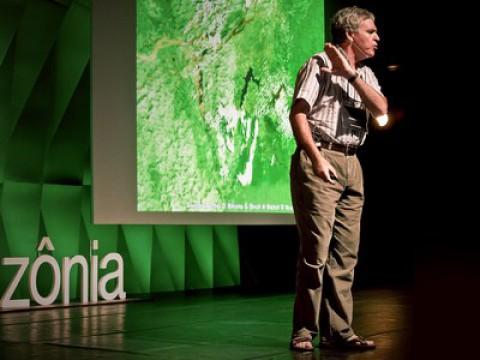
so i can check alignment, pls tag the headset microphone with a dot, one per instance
(363, 52)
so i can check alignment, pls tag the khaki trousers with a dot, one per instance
(328, 221)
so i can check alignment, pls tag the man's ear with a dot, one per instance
(349, 36)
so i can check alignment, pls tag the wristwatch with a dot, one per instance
(352, 78)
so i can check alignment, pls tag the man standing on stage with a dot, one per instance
(335, 97)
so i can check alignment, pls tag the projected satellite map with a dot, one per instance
(214, 84)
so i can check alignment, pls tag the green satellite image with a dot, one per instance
(214, 85)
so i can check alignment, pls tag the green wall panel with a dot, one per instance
(20, 209)
(168, 258)
(45, 167)
(10, 15)
(199, 257)
(70, 57)
(67, 154)
(5, 275)
(21, 216)
(61, 216)
(226, 257)
(137, 253)
(9, 19)
(107, 235)
(6, 67)
(34, 39)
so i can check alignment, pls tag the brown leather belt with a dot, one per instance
(345, 149)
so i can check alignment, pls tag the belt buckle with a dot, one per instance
(351, 149)
(329, 145)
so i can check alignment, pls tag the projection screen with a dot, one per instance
(190, 104)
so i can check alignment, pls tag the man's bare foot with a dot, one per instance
(303, 343)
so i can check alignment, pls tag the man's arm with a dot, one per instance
(375, 102)
(304, 139)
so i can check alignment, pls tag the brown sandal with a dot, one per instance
(299, 339)
(356, 343)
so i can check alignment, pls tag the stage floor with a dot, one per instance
(197, 326)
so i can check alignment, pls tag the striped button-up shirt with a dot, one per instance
(337, 113)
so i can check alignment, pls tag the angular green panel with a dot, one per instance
(68, 151)
(44, 276)
(28, 142)
(26, 148)
(10, 15)
(107, 235)
(9, 19)
(199, 257)
(20, 208)
(69, 129)
(138, 244)
(226, 261)
(6, 120)
(3, 237)
(168, 259)
(70, 55)
(33, 96)
(5, 274)
(61, 214)
(87, 171)
(35, 37)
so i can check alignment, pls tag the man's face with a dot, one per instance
(365, 40)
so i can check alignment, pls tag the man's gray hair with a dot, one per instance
(348, 19)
